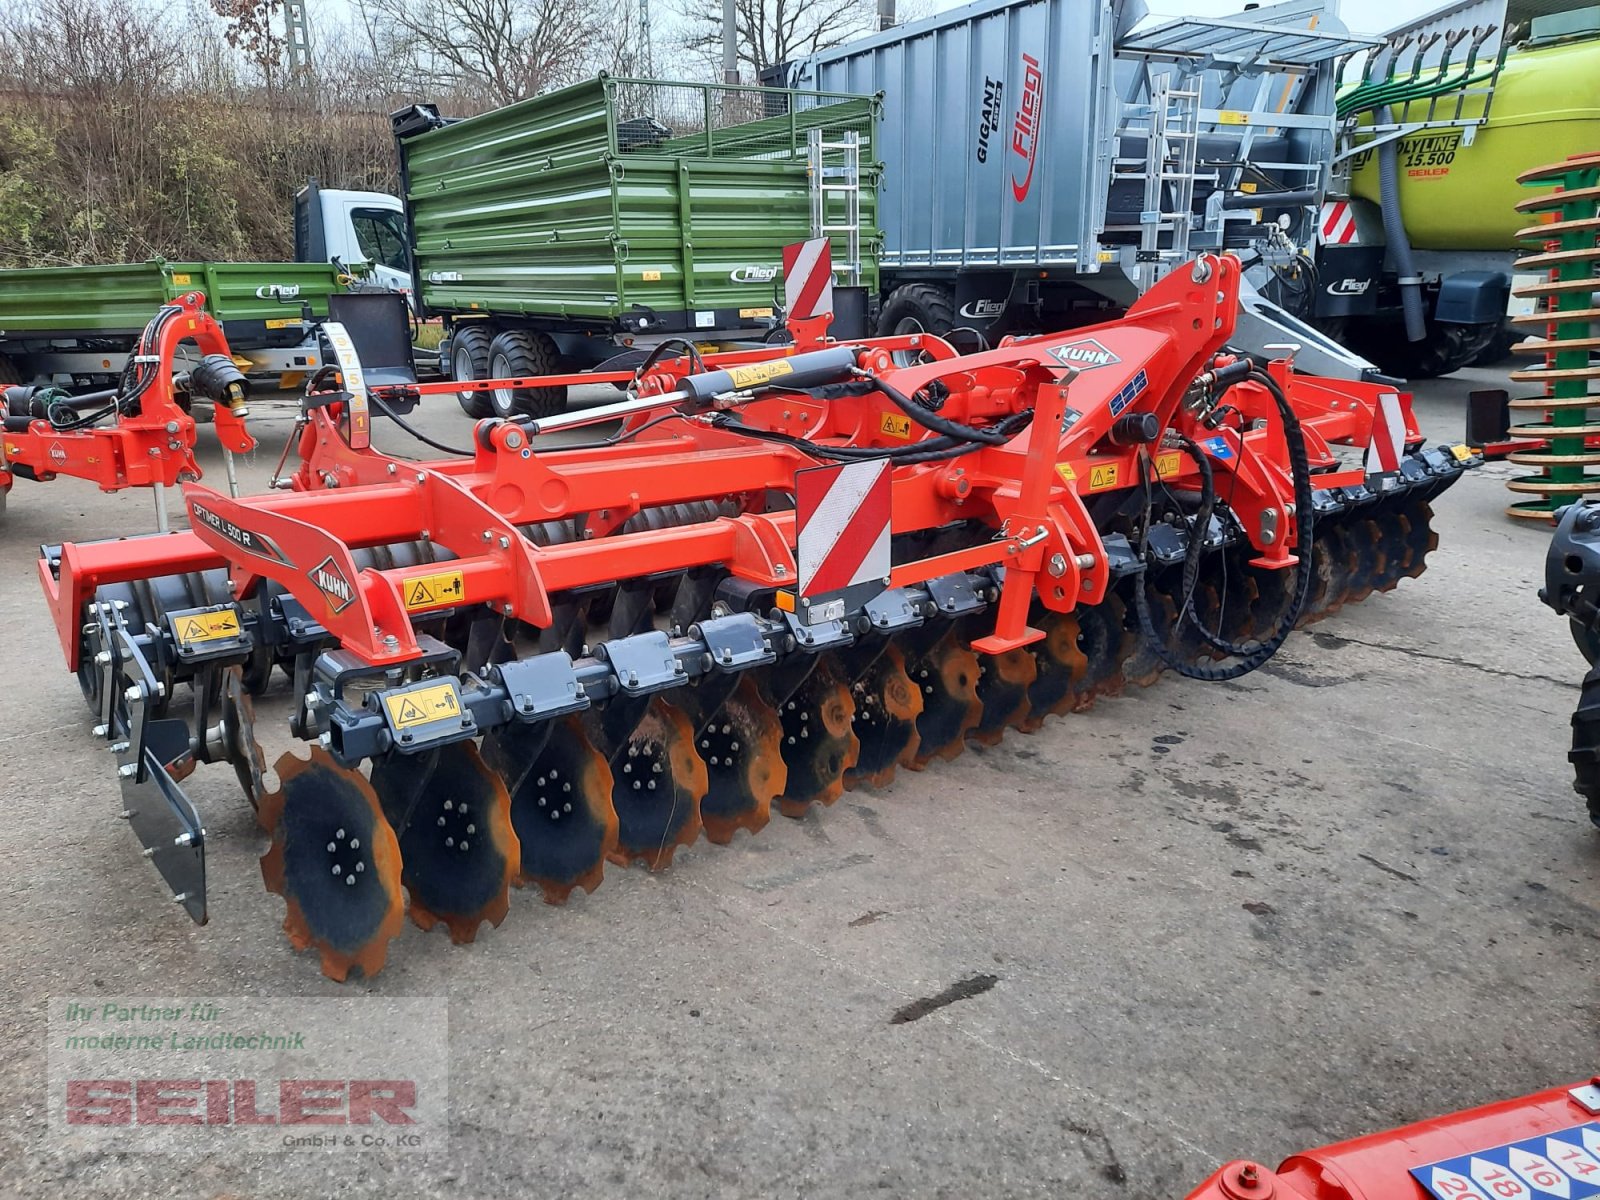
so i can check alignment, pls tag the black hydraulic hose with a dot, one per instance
(931, 420)
(1251, 655)
(932, 450)
(384, 408)
(692, 352)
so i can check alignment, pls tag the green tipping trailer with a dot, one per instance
(554, 232)
(77, 324)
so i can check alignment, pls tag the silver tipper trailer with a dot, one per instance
(1047, 160)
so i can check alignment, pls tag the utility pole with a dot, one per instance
(297, 41)
(647, 62)
(730, 44)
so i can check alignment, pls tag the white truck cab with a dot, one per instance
(355, 228)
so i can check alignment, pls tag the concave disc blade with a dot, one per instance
(457, 844)
(947, 677)
(742, 745)
(328, 828)
(659, 781)
(561, 810)
(819, 742)
(1004, 681)
(887, 705)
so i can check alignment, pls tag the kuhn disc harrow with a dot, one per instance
(525, 664)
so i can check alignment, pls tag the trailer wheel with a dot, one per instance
(517, 354)
(9, 375)
(469, 361)
(917, 308)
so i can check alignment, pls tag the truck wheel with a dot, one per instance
(517, 354)
(9, 375)
(917, 308)
(469, 360)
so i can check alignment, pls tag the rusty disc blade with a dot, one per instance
(819, 741)
(327, 829)
(1420, 537)
(238, 716)
(742, 745)
(1331, 564)
(457, 843)
(1368, 559)
(1004, 681)
(659, 781)
(1240, 597)
(887, 706)
(1107, 642)
(563, 816)
(1059, 668)
(947, 677)
(1143, 667)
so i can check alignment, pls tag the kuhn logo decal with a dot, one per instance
(58, 454)
(1025, 129)
(331, 583)
(247, 540)
(983, 310)
(1085, 355)
(1349, 287)
(753, 274)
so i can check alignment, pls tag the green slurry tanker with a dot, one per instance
(1415, 253)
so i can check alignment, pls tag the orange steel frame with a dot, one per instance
(155, 446)
(1035, 492)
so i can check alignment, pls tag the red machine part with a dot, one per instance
(1036, 489)
(1380, 1166)
(151, 446)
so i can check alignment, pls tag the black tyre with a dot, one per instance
(517, 354)
(917, 308)
(9, 375)
(469, 361)
(1443, 349)
(1585, 755)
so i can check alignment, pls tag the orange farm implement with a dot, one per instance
(140, 433)
(789, 572)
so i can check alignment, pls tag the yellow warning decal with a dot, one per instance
(758, 373)
(1068, 475)
(755, 312)
(1168, 464)
(207, 627)
(1247, 186)
(895, 425)
(430, 591)
(1462, 453)
(437, 703)
(283, 322)
(1103, 476)
(180, 280)
(652, 276)
(1233, 117)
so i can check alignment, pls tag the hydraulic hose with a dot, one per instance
(1394, 230)
(1251, 655)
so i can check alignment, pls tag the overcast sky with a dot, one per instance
(1361, 16)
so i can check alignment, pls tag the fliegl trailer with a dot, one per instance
(74, 327)
(620, 214)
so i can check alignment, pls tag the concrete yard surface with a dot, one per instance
(1349, 891)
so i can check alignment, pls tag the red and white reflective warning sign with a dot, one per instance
(808, 279)
(1338, 223)
(842, 522)
(1388, 436)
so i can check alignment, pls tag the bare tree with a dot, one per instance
(248, 26)
(500, 50)
(770, 32)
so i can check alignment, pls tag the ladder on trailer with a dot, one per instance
(1171, 169)
(833, 168)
